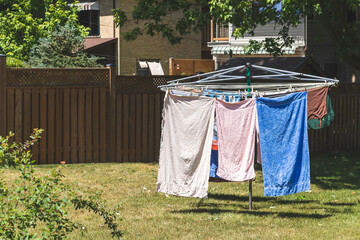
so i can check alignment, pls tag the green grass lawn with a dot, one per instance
(330, 211)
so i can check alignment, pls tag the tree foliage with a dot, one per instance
(62, 48)
(153, 15)
(37, 207)
(23, 22)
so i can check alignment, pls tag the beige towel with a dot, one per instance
(185, 149)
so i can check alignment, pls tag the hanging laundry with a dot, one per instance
(184, 93)
(326, 120)
(284, 144)
(187, 129)
(214, 148)
(316, 104)
(237, 129)
(214, 162)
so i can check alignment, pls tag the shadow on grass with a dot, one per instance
(255, 213)
(231, 197)
(340, 204)
(336, 170)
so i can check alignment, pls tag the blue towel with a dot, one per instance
(284, 144)
(214, 162)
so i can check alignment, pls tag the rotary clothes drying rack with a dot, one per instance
(241, 81)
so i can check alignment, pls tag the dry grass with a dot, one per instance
(330, 211)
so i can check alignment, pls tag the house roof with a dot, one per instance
(92, 43)
(295, 64)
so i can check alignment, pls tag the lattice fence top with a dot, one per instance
(141, 84)
(24, 77)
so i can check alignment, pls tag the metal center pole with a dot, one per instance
(248, 78)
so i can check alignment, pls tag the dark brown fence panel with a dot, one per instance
(344, 132)
(138, 117)
(73, 112)
(88, 120)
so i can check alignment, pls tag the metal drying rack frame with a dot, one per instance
(288, 82)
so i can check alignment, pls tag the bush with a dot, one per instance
(32, 205)
(62, 48)
(14, 62)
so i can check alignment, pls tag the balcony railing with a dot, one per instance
(219, 32)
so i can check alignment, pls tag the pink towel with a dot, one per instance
(237, 127)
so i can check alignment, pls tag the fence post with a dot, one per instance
(112, 112)
(2, 95)
(171, 66)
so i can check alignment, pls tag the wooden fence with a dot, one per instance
(138, 106)
(190, 66)
(91, 115)
(71, 109)
(344, 131)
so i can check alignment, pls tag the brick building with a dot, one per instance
(104, 39)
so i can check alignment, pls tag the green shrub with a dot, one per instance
(14, 62)
(37, 207)
(62, 48)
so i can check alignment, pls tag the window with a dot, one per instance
(89, 16)
(90, 19)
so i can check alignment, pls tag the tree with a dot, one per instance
(246, 16)
(63, 47)
(23, 22)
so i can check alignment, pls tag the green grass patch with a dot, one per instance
(330, 211)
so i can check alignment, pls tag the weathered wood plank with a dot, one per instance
(35, 120)
(81, 125)
(59, 125)
(157, 124)
(18, 115)
(74, 125)
(51, 126)
(138, 127)
(88, 126)
(126, 128)
(66, 139)
(151, 139)
(43, 125)
(103, 125)
(119, 123)
(96, 125)
(27, 114)
(145, 128)
(132, 125)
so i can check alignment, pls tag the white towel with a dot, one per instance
(187, 129)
